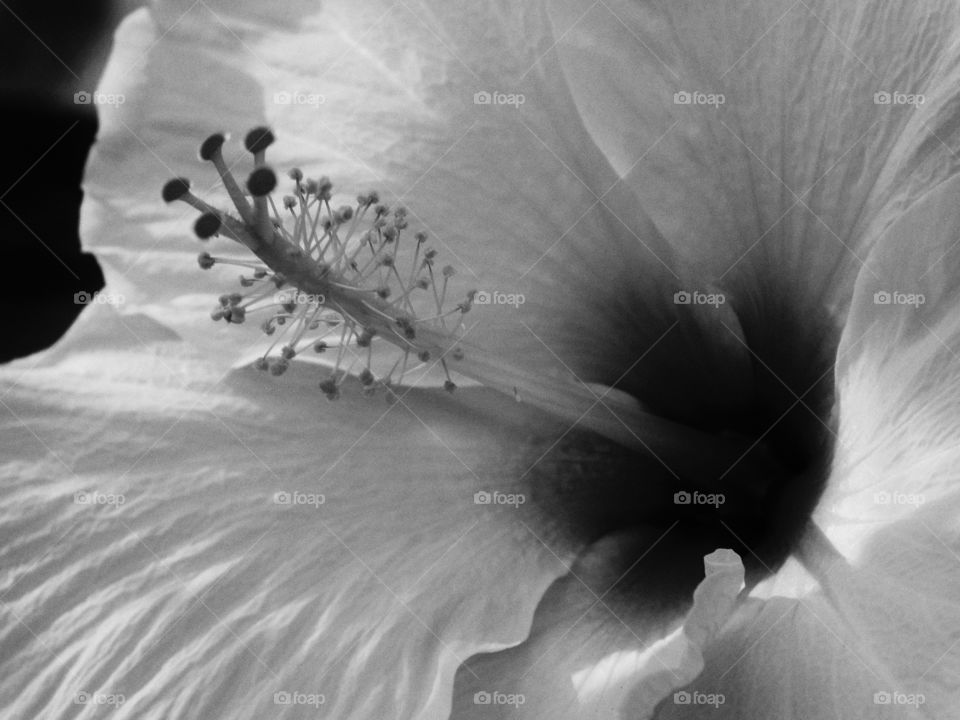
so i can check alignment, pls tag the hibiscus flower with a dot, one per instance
(697, 460)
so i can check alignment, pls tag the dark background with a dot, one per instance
(50, 52)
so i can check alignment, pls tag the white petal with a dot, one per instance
(185, 584)
(899, 374)
(781, 182)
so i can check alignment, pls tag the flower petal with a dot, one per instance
(600, 646)
(898, 375)
(880, 638)
(151, 554)
(795, 162)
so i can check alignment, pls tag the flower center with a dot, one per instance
(756, 500)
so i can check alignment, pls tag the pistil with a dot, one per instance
(330, 291)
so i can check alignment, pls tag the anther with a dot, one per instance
(329, 388)
(236, 314)
(364, 338)
(324, 188)
(408, 331)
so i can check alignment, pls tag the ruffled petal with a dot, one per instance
(227, 546)
(600, 647)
